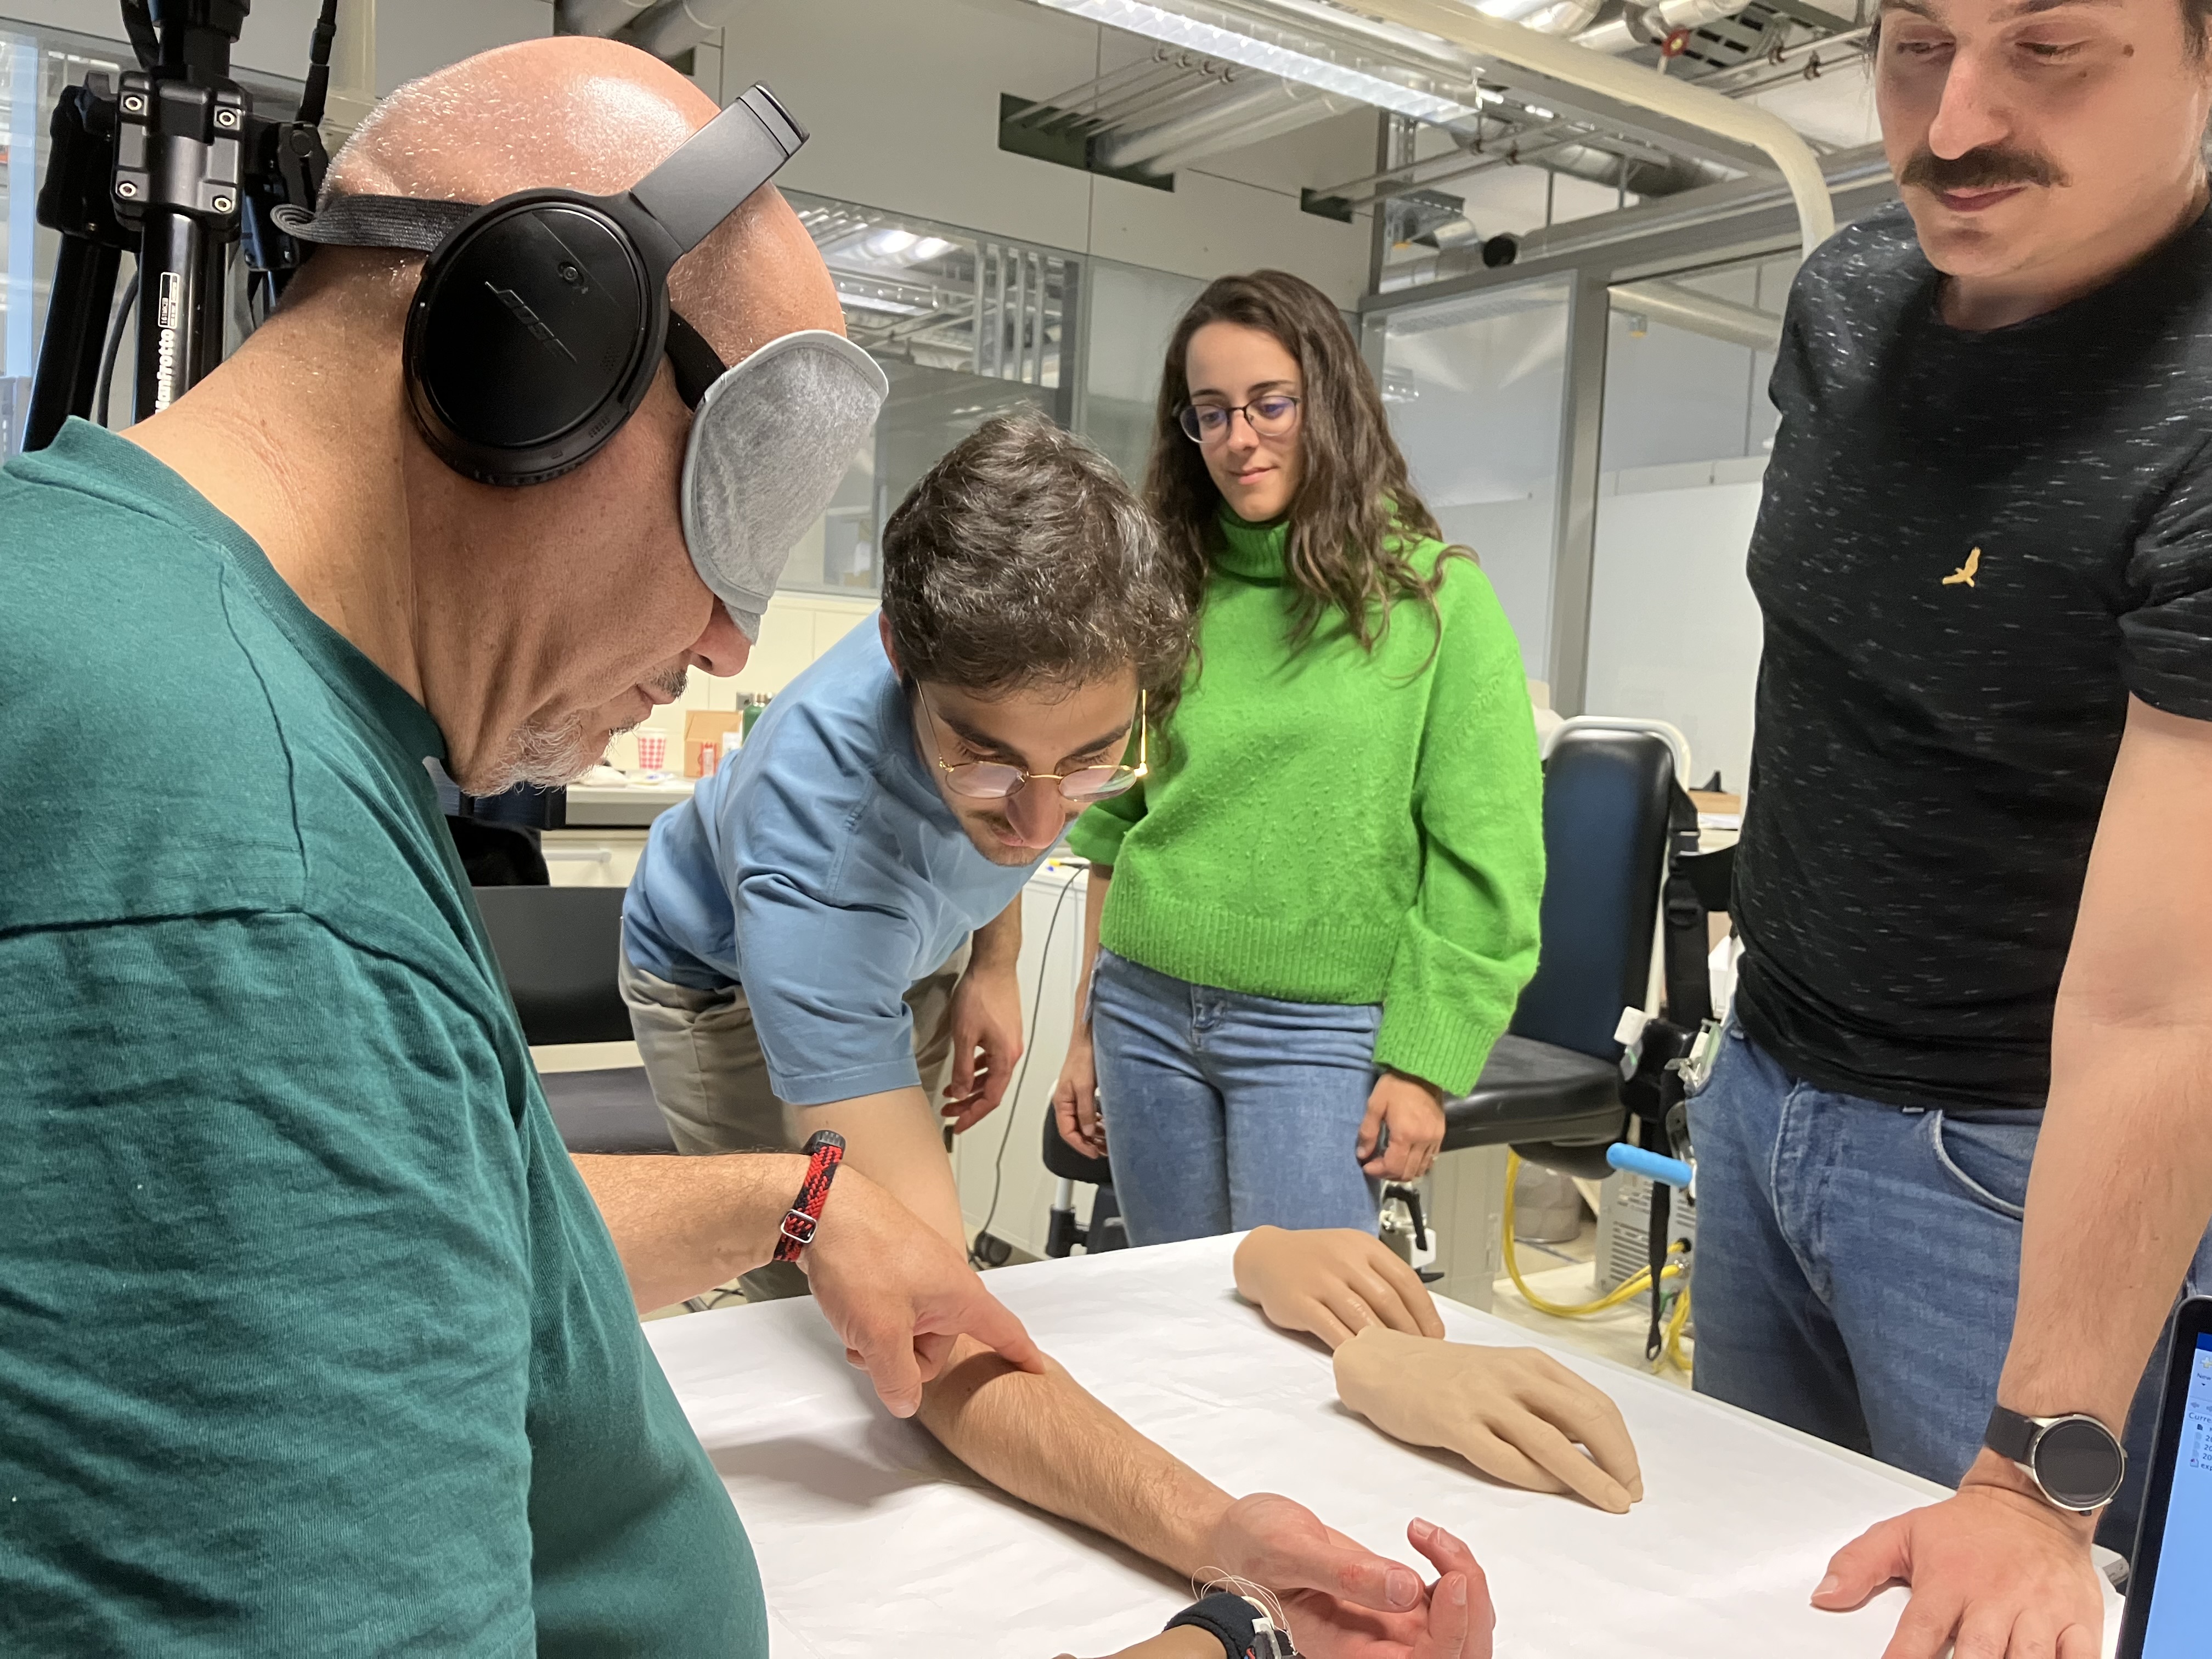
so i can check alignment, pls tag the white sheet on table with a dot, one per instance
(867, 1533)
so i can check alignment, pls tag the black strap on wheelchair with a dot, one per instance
(1682, 920)
(1655, 1092)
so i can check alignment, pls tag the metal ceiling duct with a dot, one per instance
(1638, 175)
(1647, 26)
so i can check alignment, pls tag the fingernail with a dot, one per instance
(1458, 1592)
(1829, 1586)
(1403, 1588)
(1421, 1530)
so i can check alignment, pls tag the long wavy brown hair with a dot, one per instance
(1356, 513)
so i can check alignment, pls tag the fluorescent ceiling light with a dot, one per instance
(860, 299)
(1173, 30)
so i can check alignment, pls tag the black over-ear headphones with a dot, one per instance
(541, 318)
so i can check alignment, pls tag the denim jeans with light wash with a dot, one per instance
(1225, 1111)
(1857, 1264)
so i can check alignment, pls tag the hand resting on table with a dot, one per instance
(1516, 1413)
(1450, 1619)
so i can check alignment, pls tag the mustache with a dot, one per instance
(672, 682)
(1988, 166)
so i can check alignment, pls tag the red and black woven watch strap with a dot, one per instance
(826, 1150)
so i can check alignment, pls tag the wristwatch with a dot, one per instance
(2075, 1461)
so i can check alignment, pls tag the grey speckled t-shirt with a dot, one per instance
(1973, 548)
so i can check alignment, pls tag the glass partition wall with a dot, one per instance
(1674, 634)
(965, 325)
(1475, 387)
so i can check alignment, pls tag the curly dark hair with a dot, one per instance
(1021, 559)
(1356, 513)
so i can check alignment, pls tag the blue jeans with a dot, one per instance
(1857, 1265)
(1225, 1111)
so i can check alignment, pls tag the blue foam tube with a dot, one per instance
(1650, 1165)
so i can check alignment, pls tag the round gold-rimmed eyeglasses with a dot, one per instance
(994, 781)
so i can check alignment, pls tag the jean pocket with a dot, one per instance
(1987, 1159)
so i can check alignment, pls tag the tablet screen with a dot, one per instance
(2181, 1624)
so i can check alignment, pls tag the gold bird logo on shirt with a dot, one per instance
(1965, 572)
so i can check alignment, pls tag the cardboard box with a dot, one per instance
(706, 725)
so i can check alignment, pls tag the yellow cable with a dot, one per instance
(1627, 1291)
(1675, 1321)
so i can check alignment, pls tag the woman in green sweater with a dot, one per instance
(1317, 911)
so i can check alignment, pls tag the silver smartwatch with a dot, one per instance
(2075, 1461)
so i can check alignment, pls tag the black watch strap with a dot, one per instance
(2009, 1435)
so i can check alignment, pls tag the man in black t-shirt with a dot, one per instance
(1975, 887)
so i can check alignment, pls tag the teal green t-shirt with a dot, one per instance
(311, 1340)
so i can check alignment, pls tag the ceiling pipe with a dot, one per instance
(1309, 108)
(1632, 83)
(1845, 170)
(1700, 314)
(1162, 103)
(1139, 148)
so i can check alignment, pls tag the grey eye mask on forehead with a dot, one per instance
(771, 441)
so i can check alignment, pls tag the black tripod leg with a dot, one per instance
(68, 375)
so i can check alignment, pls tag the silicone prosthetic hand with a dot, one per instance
(1333, 1282)
(1516, 1413)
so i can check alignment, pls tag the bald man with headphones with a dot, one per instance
(313, 1337)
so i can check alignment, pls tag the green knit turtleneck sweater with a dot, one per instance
(1325, 825)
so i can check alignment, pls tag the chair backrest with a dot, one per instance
(558, 947)
(1606, 796)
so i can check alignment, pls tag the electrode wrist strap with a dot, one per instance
(1222, 1614)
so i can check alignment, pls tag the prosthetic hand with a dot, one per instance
(1517, 1414)
(1333, 1282)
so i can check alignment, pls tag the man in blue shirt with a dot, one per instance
(797, 936)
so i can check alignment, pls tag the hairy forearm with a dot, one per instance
(683, 1225)
(1048, 1441)
(997, 944)
(2120, 1196)
(2123, 1179)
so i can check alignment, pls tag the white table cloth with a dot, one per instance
(872, 1541)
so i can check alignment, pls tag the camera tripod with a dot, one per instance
(173, 165)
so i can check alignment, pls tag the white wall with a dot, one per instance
(1674, 632)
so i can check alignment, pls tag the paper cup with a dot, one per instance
(651, 749)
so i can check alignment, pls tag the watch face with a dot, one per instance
(2078, 1463)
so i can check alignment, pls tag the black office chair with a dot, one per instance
(558, 947)
(1106, 1230)
(1552, 1088)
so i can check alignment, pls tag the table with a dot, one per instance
(873, 1539)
